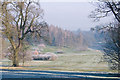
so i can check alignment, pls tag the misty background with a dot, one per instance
(71, 15)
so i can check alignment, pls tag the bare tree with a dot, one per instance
(112, 45)
(18, 20)
(105, 8)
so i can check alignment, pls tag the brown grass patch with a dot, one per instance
(21, 68)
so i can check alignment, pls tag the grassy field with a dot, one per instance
(90, 60)
(83, 61)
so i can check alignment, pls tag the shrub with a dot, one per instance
(52, 56)
(41, 57)
(46, 56)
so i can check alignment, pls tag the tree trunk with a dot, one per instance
(119, 68)
(23, 59)
(15, 55)
(119, 63)
(15, 58)
(119, 48)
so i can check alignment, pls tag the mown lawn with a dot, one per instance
(90, 60)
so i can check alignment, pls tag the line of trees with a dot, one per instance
(65, 38)
(60, 38)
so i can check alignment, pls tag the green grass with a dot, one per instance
(64, 49)
(55, 49)
(71, 60)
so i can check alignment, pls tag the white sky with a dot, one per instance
(70, 15)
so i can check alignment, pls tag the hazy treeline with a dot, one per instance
(60, 38)
(94, 39)
(65, 38)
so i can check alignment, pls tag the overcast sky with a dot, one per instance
(70, 15)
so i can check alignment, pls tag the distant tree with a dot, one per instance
(112, 45)
(18, 20)
(65, 38)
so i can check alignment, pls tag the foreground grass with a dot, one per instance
(89, 60)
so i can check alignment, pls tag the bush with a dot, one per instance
(46, 56)
(59, 52)
(41, 57)
(52, 56)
